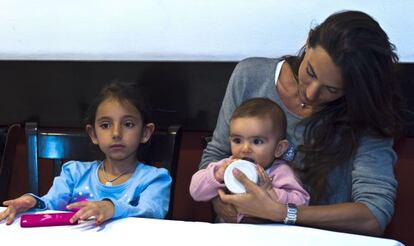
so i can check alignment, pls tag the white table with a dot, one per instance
(168, 232)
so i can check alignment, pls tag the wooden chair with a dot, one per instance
(8, 142)
(61, 145)
(162, 150)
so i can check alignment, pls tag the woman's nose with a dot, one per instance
(312, 91)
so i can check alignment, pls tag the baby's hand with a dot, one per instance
(16, 206)
(219, 172)
(266, 182)
(102, 210)
(264, 179)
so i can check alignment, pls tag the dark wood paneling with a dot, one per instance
(56, 94)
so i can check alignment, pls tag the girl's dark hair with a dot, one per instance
(123, 92)
(263, 107)
(371, 103)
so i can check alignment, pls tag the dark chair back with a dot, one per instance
(74, 144)
(162, 151)
(3, 133)
(8, 143)
(55, 144)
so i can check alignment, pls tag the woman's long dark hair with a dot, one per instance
(371, 103)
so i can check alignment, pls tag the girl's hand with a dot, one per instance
(102, 210)
(264, 180)
(16, 206)
(219, 172)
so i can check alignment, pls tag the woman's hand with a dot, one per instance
(102, 210)
(256, 202)
(16, 206)
(225, 211)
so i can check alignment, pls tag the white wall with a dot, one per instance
(187, 30)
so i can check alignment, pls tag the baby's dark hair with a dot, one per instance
(261, 108)
(123, 92)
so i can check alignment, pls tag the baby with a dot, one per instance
(257, 134)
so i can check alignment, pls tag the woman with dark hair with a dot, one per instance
(342, 102)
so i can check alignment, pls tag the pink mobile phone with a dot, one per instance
(49, 219)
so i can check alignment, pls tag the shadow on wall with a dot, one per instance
(186, 93)
(164, 96)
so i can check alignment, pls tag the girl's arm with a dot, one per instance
(153, 201)
(204, 185)
(16, 206)
(57, 198)
(60, 194)
(286, 188)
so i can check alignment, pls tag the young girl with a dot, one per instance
(117, 187)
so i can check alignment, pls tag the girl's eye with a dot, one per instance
(129, 124)
(104, 125)
(310, 72)
(236, 140)
(258, 141)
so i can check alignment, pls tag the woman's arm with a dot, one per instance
(246, 81)
(346, 217)
(353, 217)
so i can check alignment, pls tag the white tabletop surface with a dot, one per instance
(169, 232)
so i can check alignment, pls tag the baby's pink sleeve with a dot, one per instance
(286, 187)
(204, 186)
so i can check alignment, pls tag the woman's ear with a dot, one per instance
(91, 132)
(281, 148)
(147, 132)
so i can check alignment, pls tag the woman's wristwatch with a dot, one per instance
(291, 214)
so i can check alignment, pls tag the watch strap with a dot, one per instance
(291, 214)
